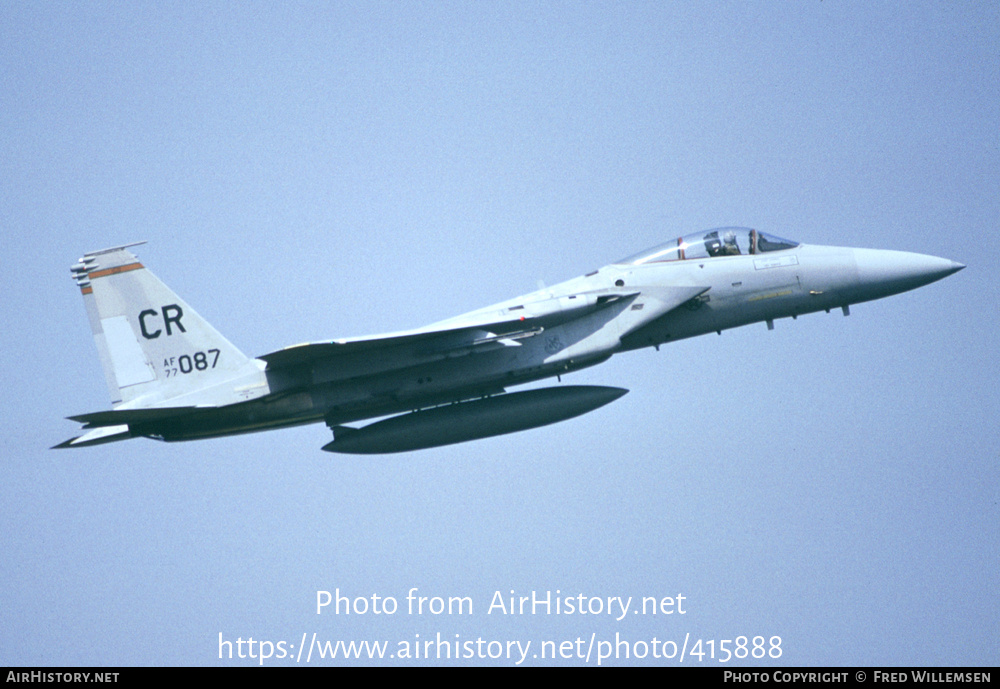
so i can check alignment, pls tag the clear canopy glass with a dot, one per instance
(723, 241)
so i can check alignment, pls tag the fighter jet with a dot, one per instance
(172, 376)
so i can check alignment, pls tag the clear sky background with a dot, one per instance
(319, 170)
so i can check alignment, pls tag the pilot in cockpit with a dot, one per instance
(729, 247)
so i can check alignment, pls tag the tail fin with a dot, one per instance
(152, 345)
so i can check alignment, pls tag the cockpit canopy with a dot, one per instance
(724, 241)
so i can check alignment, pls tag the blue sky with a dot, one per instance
(305, 171)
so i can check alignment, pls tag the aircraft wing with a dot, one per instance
(435, 342)
(477, 332)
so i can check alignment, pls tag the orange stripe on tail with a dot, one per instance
(114, 271)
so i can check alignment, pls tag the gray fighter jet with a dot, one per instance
(174, 377)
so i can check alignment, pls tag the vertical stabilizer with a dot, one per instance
(152, 345)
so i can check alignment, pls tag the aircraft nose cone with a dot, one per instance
(891, 272)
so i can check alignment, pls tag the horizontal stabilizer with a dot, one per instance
(98, 436)
(115, 417)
